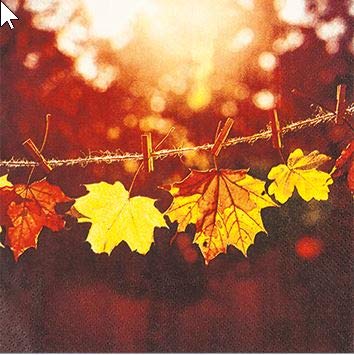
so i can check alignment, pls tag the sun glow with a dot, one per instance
(114, 19)
(183, 31)
(190, 50)
(184, 47)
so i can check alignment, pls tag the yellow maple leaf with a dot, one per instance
(300, 172)
(116, 217)
(4, 182)
(225, 206)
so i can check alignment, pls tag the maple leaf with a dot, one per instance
(7, 195)
(344, 157)
(300, 172)
(345, 162)
(225, 206)
(116, 217)
(1, 245)
(26, 209)
(4, 181)
(4, 219)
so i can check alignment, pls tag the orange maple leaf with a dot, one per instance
(225, 206)
(28, 209)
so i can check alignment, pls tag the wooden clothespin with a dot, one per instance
(341, 102)
(340, 107)
(220, 139)
(37, 155)
(146, 147)
(276, 130)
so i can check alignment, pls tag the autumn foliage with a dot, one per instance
(224, 205)
(26, 209)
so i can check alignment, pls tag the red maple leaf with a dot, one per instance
(7, 195)
(26, 209)
(345, 162)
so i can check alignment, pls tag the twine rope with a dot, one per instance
(108, 157)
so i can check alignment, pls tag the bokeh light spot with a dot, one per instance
(113, 133)
(105, 76)
(264, 100)
(157, 103)
(194, 159)
(308, 247)
(267, 61)
(331, 30)
(70, 37)
(242, 39)
(293, 40)
(229, 109)
(85, 65)
(241, 91)
(31, 61)
(130, 166)
(199, 97)
(294, 12)
(130, 121)
(350, 8)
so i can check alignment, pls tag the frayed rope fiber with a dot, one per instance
(110, 157)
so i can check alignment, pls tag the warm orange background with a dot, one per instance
(293, 291)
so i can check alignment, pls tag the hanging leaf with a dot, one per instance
(1, 245)
(4, 181)
(7, 195)
(300, 172)
(225, 206)
(344, 158)
(116, 217)
(345, 162)
(26, 209)
(5, 200)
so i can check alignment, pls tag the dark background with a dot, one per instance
(291, 294)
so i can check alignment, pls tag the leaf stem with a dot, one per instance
(134, 178)
(164, 138)
(44, 141)
(281, 155)
(46, 131)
